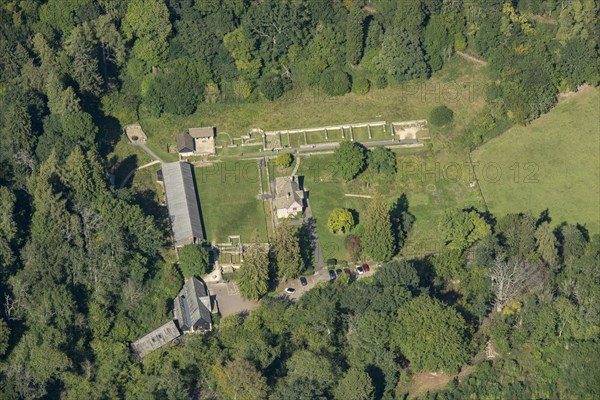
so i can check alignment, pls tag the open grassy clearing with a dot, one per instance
(431, 183)
(459, 85)
(553, 163)
(229, 201)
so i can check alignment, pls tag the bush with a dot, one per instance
(335, 82)
(381, 82)
(441, 116)
(360, 85)
(340, 220)
(284, 160)
(271, 87)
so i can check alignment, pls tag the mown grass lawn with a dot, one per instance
(459, 85)
(553, 163)
(229, 201)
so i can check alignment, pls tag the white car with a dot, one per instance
(289, 290)
(360, 270)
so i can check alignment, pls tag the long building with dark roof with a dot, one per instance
(182, 202)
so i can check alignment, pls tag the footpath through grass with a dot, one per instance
(553, 163)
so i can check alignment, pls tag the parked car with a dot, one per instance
(338, 272)
(359, 270)
(332, 275)
(331, 262)
(303, 281)
(289, 290)
(347, 272)
(366, 268)
(378, 265)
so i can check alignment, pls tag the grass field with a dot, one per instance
(553, 163)
(454, 86)
(229, 201)
(432, 183)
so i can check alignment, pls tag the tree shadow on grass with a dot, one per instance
(122, 168)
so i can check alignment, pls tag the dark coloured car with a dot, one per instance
(347, 272)
(331, 262)
(338, 272)
(303, 281)
(332, 275)
(366, 268)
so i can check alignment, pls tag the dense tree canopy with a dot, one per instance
(85, 267)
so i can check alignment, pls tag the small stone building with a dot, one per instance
(196, 141)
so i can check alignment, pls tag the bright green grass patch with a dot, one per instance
(553, 163)
(229, 201)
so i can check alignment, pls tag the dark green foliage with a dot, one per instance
(335, 82)
(177, 88)
(382, 161)
(82, 273)
(431, 335)
(441, 116)
(271, 87)
(254, 273)
(350, 160)
(354, 35)
(193, 260)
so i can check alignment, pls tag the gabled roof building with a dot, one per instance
(182, 202)
(192, 307)
(192, 310)
(289, 197)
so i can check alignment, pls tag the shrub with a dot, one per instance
(360, 85)
(381, 82)
(441, 116)
(335, 82)
(340, 220)
(284, 160)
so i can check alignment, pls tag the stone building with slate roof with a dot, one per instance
(289, 197)
(196, 141)
(182, 203)
(192, 309)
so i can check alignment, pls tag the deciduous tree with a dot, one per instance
(432, 336)
(349, 159)
(340, 220)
